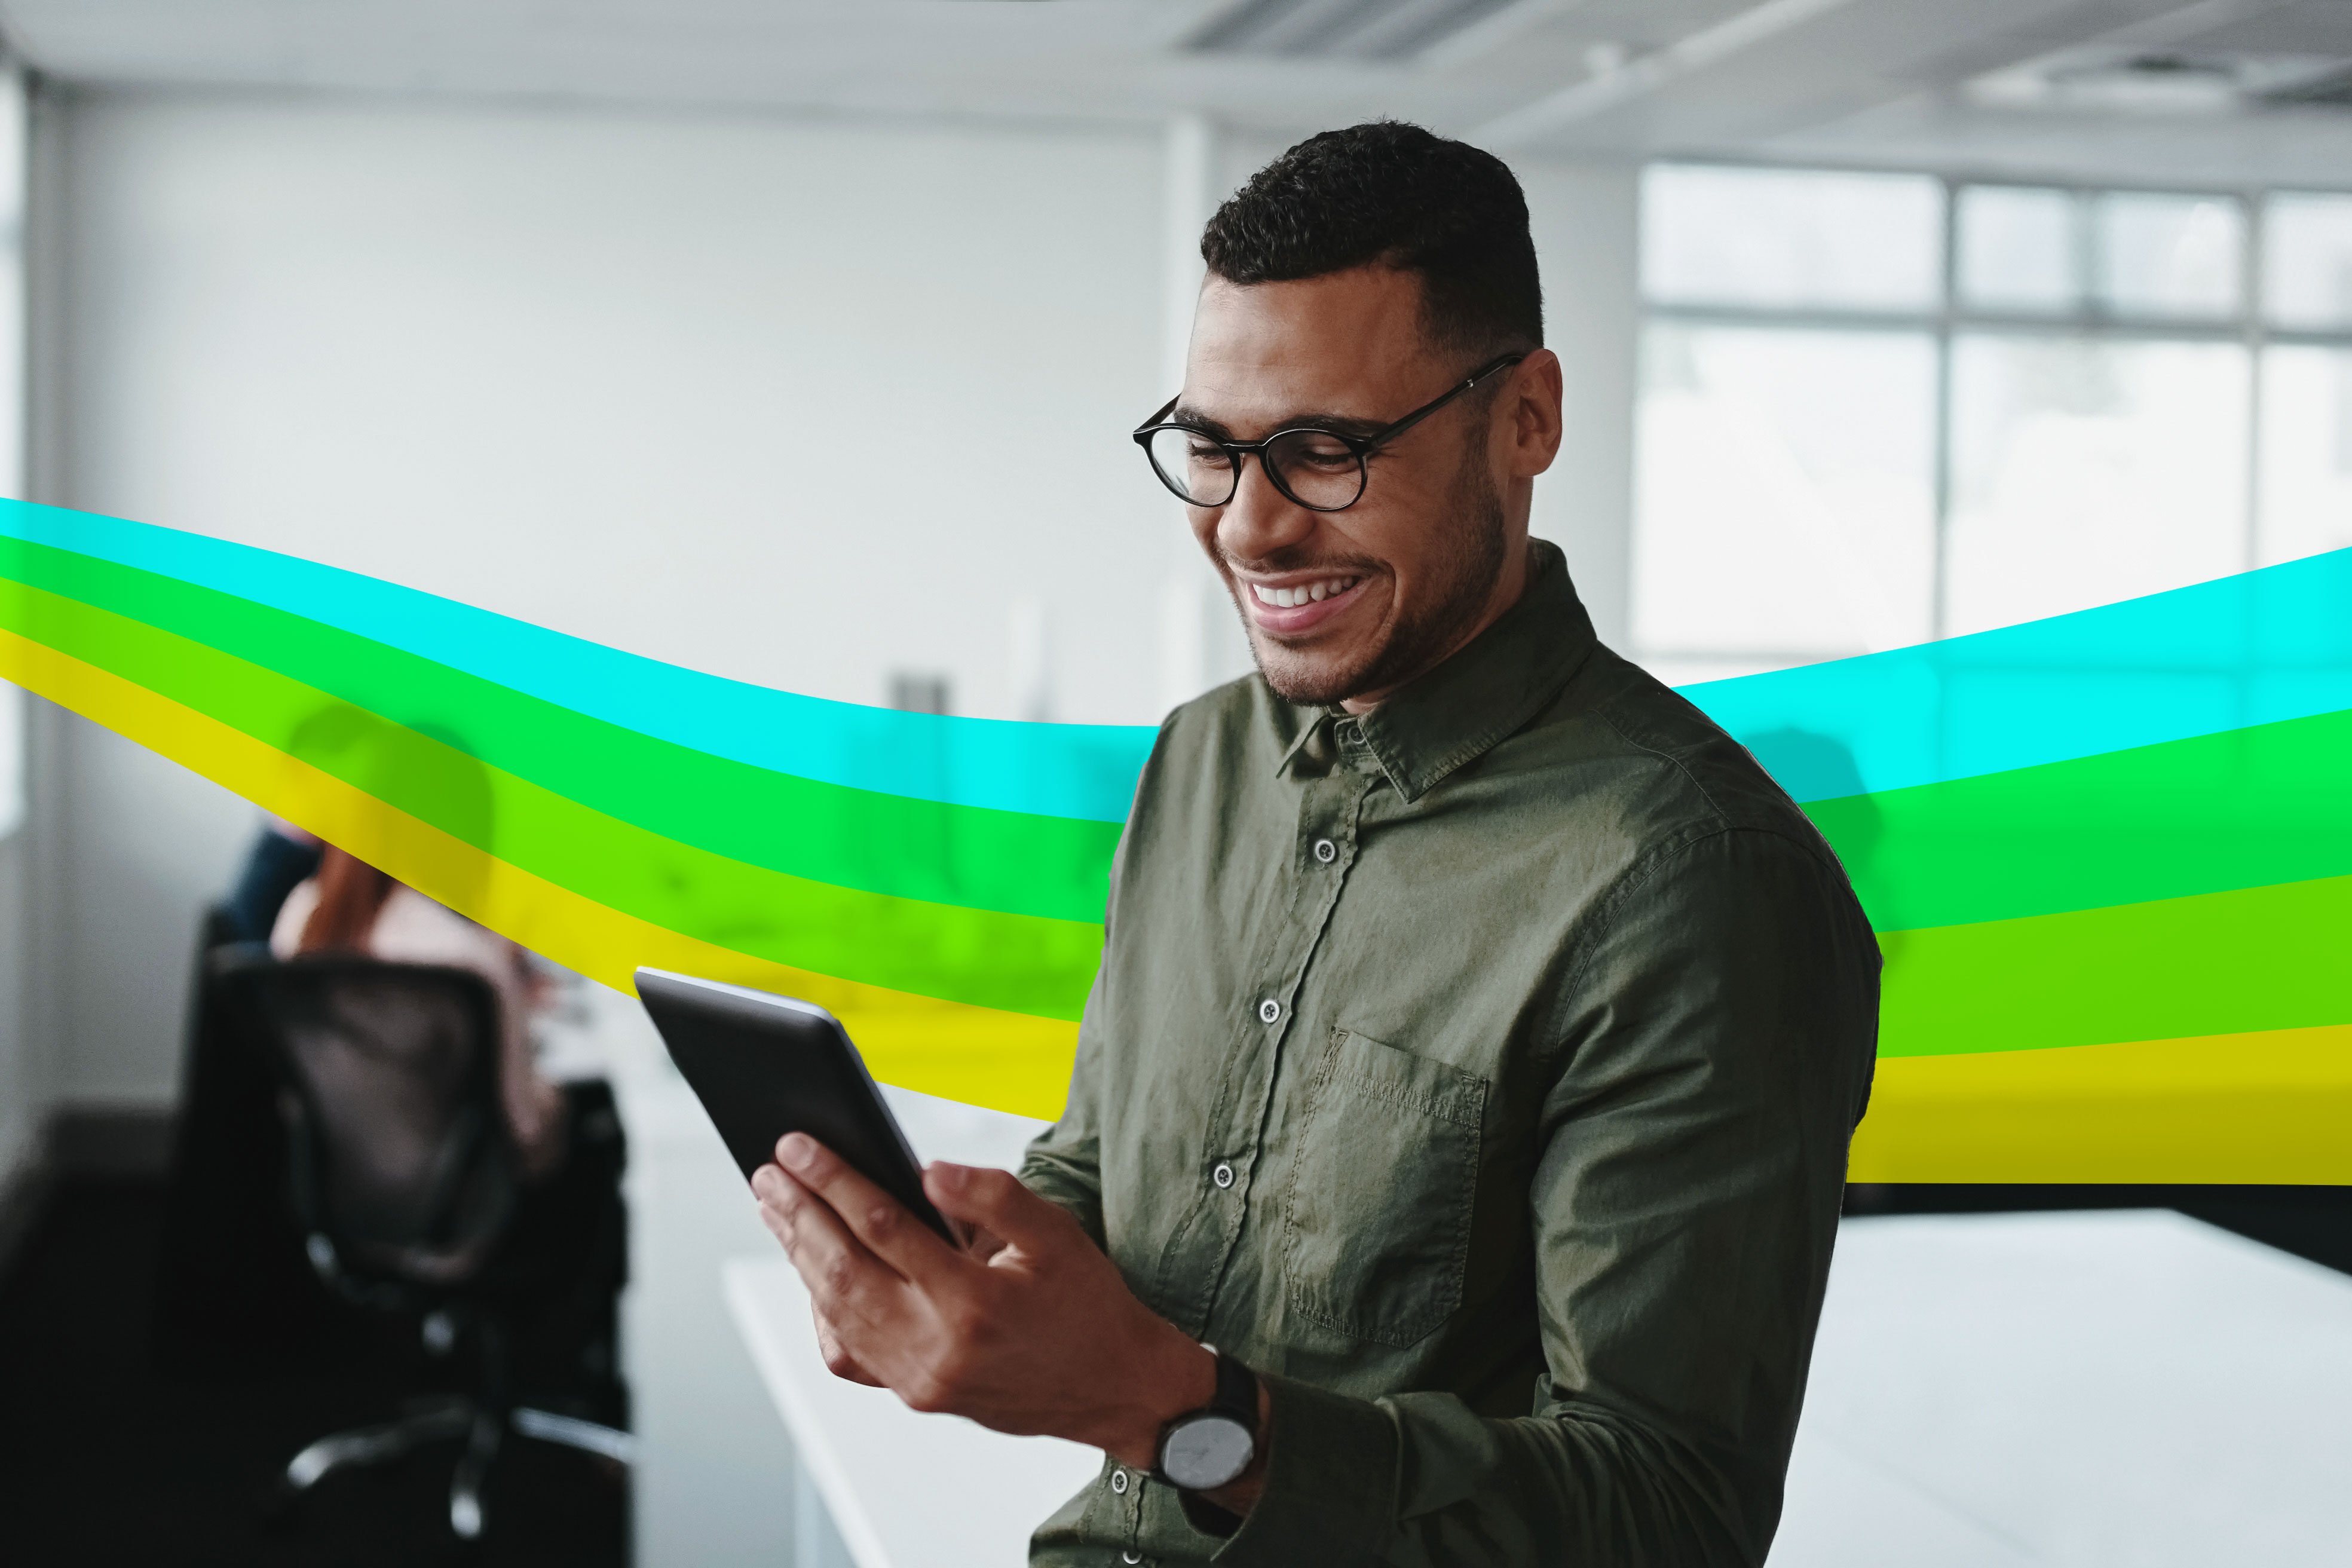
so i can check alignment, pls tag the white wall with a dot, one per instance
(795, 403)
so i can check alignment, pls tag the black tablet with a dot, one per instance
(764, 1064)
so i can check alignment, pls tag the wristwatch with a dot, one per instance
(1203, 1449)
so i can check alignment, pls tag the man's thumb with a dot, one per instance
(995, 1201)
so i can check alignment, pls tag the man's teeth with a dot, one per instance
(1304, 593)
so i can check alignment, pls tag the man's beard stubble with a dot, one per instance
(1466, 577)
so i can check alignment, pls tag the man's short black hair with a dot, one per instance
(1392, 195)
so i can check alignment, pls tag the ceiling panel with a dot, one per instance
(2306, 26)
(1853, 81)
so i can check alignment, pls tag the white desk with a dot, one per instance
(2074, 1389)
(713, 1485)
(903, 1490)
(1988, 1392)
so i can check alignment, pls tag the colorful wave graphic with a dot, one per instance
(2109, 854)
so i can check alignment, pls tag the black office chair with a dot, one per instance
(404, 1180)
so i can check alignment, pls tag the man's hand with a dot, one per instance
(1030, 1331)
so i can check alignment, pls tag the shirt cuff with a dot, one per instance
(1330, 1490)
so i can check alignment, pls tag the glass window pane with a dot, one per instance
(1793, 238)
(2307, 261)
(2018, 249)
(2168, 256)
(2307, 476)
(1784, 484)
(2086, 472)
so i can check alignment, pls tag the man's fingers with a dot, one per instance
(844, 1279)
(880, 1221)
(997, 1202)
(837, 1361)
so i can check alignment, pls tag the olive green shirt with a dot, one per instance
(1481, 1072)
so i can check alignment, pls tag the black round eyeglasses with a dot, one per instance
(1320, 468)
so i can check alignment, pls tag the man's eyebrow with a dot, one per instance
(1340, 424)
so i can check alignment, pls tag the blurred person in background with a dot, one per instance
(351, 907)
(282, 858)
(235, 1291)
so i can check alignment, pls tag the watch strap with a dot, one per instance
(1236, 1394)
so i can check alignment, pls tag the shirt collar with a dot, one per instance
(1460, 710)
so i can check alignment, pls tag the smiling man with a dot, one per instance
(1479, 1031)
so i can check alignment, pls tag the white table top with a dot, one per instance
(2130, 1387)
(905, 1490)
(2083, 1389)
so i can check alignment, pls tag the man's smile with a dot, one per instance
(1291, 603)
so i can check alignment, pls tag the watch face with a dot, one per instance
(1206, 1451)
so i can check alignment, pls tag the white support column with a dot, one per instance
(1188, 595)
(1587, 234)
(1192, 195)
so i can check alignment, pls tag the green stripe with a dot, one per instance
(2241, 809)
(1056, 867)
(1017, 962)
(2221, 964)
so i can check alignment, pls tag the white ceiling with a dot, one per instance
(1856, 81)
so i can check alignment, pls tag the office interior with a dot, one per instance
(799, 344)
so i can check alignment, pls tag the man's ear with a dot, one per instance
(1535, 392)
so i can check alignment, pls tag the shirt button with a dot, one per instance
(1119, 1482)
(1326, 851)
(1269, 1011)
(1130, 1557)
(1224, 1175)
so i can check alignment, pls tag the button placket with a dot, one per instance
(1200, 1248)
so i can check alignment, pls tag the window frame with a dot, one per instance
(2248, 327)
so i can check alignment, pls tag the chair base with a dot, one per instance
(484, 1433)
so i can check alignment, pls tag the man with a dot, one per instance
(1479, 1031)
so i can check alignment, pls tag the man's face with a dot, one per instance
(1348, 604)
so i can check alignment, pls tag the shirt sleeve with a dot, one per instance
(1716, 1042)
(1064, 1164)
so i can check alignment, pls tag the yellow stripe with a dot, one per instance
(981, 1055)
(2275, 1106)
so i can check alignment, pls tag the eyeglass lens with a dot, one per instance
(1314, 469)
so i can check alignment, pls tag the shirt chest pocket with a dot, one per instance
(1376, 1225)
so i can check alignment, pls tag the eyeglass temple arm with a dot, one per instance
(1153, 422)
(1382, 438)
(1377, 439)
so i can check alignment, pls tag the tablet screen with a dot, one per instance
(764, 1064)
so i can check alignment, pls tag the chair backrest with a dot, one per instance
(403, 1170)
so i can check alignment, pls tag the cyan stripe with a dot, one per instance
(1086, 770)
(2253, 649)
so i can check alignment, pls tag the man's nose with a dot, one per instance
(1260, 519)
